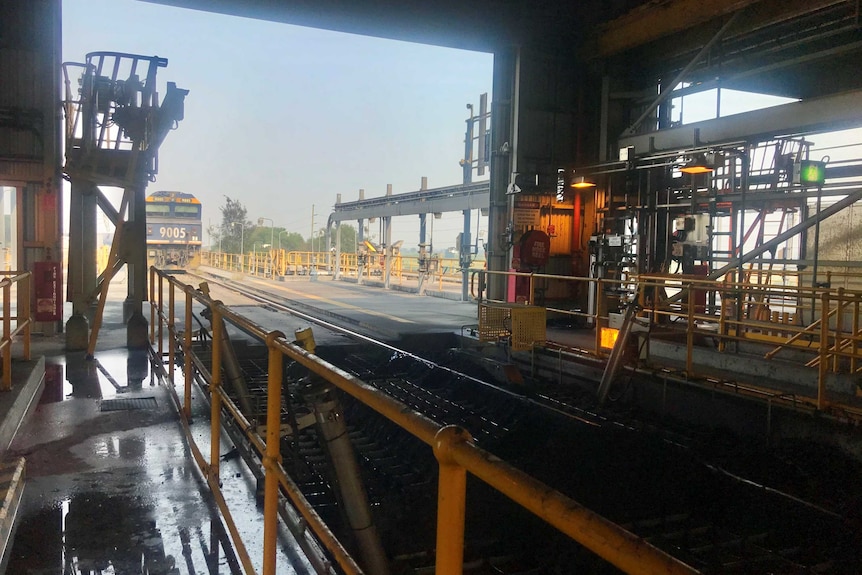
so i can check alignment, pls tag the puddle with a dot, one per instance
(93, 532)
(110, 374)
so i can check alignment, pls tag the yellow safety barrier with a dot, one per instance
(452, 446)
(283, 263)
(825, 322)
(22, 282)
(769, 307)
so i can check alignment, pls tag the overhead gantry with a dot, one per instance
(115, 124)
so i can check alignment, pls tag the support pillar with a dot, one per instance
(503, 149)
(360, 261)
(387, 250)
(337, 273)
(387, 244)
(466, 249)
(82, 263)
(423, 254)
(137, 334)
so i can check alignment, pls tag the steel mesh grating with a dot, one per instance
(128, 403)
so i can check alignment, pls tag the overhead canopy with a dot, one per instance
(820, 42)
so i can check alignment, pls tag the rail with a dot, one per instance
(23, 321)
(452, 446)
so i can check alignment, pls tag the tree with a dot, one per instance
(292, 242)
(348, 238)
(234, 228)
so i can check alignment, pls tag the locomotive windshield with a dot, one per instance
(187, 211)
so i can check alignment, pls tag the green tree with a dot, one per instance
(291, 241)
(233, 233)
(348, 238)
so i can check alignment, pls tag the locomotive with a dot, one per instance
(173, 229)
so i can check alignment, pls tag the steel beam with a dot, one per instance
(834, 112)
(654, 21)
(448, 199)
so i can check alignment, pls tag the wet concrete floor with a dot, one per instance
(111, 486)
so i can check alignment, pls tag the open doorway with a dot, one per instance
(8, 227)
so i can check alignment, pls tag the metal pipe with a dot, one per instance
(332, 430)
(230, 362)
(614, 363)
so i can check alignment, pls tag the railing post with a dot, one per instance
(152, 305)
(532, 289)
(451, 502)
(689, 334)
(839, 328)
(597, 321)
(28, 319)
(161, 316)
(824, 350)
(187, 358)
(7, 339)
(171, 330)
(215, 391)
(272, 457)
(854, 346)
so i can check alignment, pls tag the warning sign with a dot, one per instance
(526, 213)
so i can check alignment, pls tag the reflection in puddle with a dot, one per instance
(108, 375)
(95, 533)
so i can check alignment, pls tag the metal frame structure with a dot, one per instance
(115, 123)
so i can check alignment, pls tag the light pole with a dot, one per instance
(271, 232)
(241, 242)
(271, 229)
(279, 238)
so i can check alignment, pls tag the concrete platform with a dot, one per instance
(387, 314)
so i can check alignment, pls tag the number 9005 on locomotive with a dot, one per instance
(174, 229)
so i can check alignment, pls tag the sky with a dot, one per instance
(284, 118)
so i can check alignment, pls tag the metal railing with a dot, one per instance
(820, 324)
(282, 263)
(452, 446)
(21, 281)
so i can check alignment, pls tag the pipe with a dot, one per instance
(230, 362)
(615, 361)
(335, 440)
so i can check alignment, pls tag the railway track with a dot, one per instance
(718, 502)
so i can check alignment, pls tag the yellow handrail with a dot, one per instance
(24, 322)
(452, 447)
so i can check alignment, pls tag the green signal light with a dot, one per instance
(809, 173)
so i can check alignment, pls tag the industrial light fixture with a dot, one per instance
(582, 182)
(697, 164)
